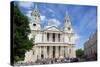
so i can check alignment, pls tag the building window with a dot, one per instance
(67, 20)
(47, 36)
(59, 37)
(53, 37)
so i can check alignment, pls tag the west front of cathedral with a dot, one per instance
(50, 41)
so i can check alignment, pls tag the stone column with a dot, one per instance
(45, 36)
(50, 37)
(56, 37)
(50, 52)
(73, 54)
(63, 38)
(62, 51)
(46, 52)
(56, 52)
(44, 55)
(40, 52)
(36, 53)
(66, 51)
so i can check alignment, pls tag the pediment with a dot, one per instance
(53, 28)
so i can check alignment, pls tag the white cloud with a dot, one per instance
(56, 22)
(29, 14)
(77, 37)
(24, 4)
(43, 17)
(51, 10)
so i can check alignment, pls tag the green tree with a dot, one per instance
(21, 42)
(79, 53)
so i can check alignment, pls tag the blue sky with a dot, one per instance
(83, 18)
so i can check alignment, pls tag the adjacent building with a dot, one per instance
(90, 47)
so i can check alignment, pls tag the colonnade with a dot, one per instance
(43, 52)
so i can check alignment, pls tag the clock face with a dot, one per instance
(69, 28)
(34, 24)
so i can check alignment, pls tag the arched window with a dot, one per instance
(67, 20)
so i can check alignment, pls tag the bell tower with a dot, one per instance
(35, 19)
(67, 23)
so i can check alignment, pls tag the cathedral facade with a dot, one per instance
(50, 41)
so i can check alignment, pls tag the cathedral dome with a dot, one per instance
(52, 22)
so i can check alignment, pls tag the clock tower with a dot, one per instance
(35, 22)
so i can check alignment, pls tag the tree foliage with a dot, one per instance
(21, 42)
(79, 53)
